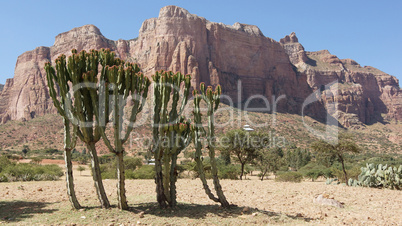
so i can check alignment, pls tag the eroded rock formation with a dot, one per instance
(216, 53)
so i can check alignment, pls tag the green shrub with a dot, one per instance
(132, 163)
(352, 172)
(314, 170)
(144, 172)
(30, 172)
(4, 162)
(289, 177)
(229, 171)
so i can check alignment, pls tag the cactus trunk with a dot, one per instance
(121, 191)
(70, 180)
(173, 178)
(69, 144)
(97, 177)
(214, 169)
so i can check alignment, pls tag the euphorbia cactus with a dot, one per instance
(171, 132)
(69, 139)
(212, 100)
(122, 80)
(80, 72)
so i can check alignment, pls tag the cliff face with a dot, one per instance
(215, 53)
(363, 94)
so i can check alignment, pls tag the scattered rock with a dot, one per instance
(141, 215)
(321, 199)
(246, 209)
(299, 215)
(40, 189)
(254, 214)
(83, 217)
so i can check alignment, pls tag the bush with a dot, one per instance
(352, 172)
(131, 163)
(313, 171)
(30, 172)
(289, 177)
(144, 172)
(229, 171)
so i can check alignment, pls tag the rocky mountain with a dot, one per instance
(216, 53)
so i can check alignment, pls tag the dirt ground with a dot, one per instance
(258, 202)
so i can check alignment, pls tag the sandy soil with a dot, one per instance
(362, 205)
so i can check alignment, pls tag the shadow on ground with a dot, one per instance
(14, 211)
(196, 211)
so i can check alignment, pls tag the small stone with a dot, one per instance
(83, 217)
(299, 215)
(246, 209)
(82, 210)
(40, 189)
(141, 215)
(111, 224)
(254, 214)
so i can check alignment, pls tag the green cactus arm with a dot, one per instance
(52, 92)
(187, 86)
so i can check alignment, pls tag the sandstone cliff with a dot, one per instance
(364, 94)
(215, 53)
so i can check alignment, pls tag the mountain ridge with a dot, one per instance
(218, 54)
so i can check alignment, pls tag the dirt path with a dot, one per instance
(271, 202)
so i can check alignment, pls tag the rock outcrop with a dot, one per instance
(363, 94)
(216, 54)
(1, 87)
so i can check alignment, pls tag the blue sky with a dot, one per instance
(369, 32)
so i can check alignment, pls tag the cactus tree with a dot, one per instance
(69, 139)
(171, 132)
(120, 80)
(80, 72)
(212, 100)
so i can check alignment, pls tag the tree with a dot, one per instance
(80, 169)
(243, 146)
(297, 157)
(80, 72)
(268, 161)
(25, 150)
(337, 150)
